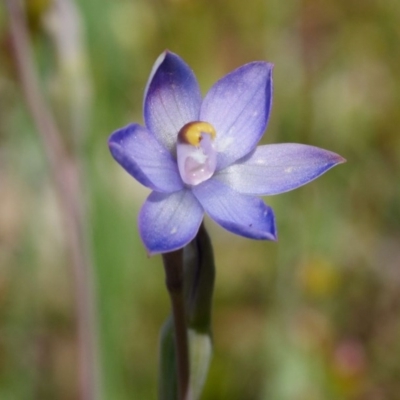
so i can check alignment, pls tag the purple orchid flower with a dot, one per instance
(201, 155)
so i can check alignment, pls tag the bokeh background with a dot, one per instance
(315, 316)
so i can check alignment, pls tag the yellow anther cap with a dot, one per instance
(191, 132)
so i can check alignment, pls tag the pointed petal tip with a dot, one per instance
(119, 134)
(160, 59)
(269, 65)
(113, 144)
(273, 236)
(336, 159)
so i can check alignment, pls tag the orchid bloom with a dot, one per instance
(200, 155)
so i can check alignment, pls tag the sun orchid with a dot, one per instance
(201, 155)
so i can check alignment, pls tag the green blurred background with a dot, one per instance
(315, 316)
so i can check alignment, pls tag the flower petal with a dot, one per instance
(140, 154)
(168, 222)
(172, 98)
(238, 106)
(238, 213)
(278, 168)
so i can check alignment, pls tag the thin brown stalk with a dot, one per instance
(64, 167)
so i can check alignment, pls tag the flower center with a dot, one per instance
(197, 157)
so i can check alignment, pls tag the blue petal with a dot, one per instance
(241, 214)
(139, 153)
(238, 106)
(168, 222)
(278, 168)
(172, 98)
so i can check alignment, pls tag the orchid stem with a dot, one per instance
(173, 265)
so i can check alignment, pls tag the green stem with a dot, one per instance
(173, 265)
